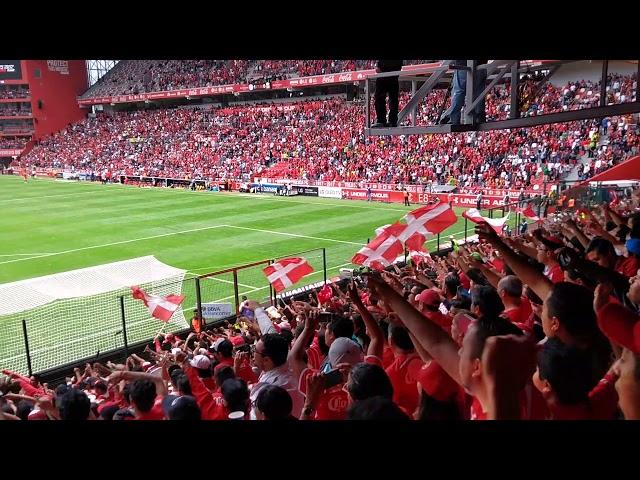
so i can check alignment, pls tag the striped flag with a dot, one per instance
(284, 273)
(161, 308)
(382, 250)
(496, 223)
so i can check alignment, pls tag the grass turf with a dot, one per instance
(54, 226)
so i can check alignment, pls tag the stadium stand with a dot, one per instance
(542, 324)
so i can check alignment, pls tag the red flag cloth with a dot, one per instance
(161, 308)
(417, 257)
(325, 294)
(496, 223)
(382, 250)
(530, 214)
(284, 273)
(426, 222)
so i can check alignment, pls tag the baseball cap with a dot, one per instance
(200, 361)
(429, 297)
(175, 351)
(181, 408)
(237, 341)
(219, 343)
(437, 383)
(620, 326)
(344, 350)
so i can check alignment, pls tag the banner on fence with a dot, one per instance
(217, 311)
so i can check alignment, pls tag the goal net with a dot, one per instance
(77, 314)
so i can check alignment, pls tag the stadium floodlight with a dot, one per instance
(71, 315)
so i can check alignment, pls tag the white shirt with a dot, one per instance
(283, 377)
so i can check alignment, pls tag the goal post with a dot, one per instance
(77, 314)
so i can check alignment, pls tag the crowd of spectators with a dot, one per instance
(14, 91)
(541, 326)
(141, 76)
(324, 140)
(15, 109)
(13, 143)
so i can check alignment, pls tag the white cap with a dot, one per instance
(236, 415)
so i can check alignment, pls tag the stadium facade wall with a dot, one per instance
(54, 86)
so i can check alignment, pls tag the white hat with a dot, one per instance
(200, 361)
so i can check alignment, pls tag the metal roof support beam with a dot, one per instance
(514, 109)
(561, 117)
(603, 83)
(546, 78)
(501, 74)
(423, 91)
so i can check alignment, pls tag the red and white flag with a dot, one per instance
(497, 223)
(161, 308)
(530, 214)
(284, 273)
(426, 222)
(382, 250)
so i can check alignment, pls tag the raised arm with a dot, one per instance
(376, 335)
(296, 354)
(435, 341)
(536, 280)
(161, 386)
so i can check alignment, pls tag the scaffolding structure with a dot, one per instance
(423, 81)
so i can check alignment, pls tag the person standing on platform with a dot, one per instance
(387, 86)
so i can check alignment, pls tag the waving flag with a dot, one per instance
(497, 223)
(161, 308)
(284, 273)
(382, 250)
(425, 222)
(530, 214)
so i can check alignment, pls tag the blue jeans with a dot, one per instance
(459, 91)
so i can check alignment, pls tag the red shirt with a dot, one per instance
(333, 402)
(498, 264)
(314, 356)
(603, 399)
(627, 266)
(387, 356)
(403, 373)
(556, 274)
(532, 405)
(440, 319)
(211, 405)
(156, 412)
(521, 314)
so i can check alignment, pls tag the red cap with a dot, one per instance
(621, 326)
(237, 341)
(428, 297)
(437, 383)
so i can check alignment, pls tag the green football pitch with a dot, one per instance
(52, 226)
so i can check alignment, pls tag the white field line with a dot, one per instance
(293, 235)
(23, 199)
(21, 254)
(114, 243)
